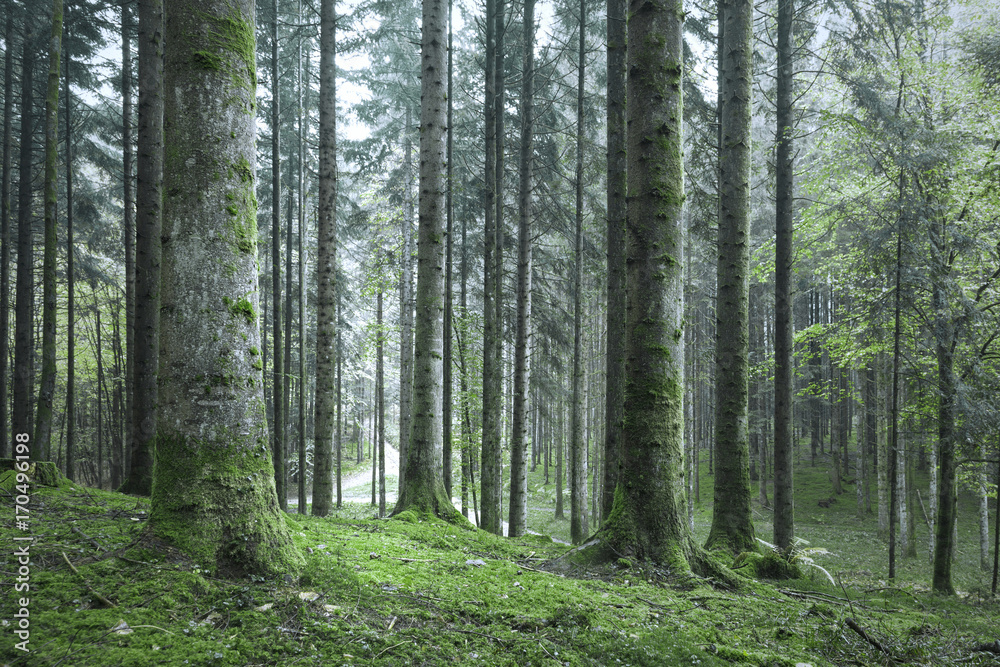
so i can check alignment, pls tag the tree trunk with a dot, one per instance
(47, 385)
(99, 353)
(732, 524)
(149, 254)
(129, 213)
(25, 286)
(5, 193)
(213, 494)
(984, 510)
(784, 501)
(406, 311)
(326, 271)
(948, 466)
(380, 401)
(446, 399)
(303, 385)
(422, 490)
(648, 516)
(69, 416)
(278, 391)
(578, 472)
(518, 514)
(489, 476)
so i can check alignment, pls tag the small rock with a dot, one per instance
(475, 562)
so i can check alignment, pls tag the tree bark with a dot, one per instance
(5, 193)
(278, 390)
(129, 213)
(25, 286)
(149, 218)
(784, 501)
(615, 373)
(213, 493)
(422, 490)
(648, 516)
(326, 268)
(732, 525)
(578, 476)
(446, 400)
(489, 476)
(69, 416)
(518, 511)
(47, 384)
(406, 309)
(948, 466)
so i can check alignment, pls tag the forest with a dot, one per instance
(687, 314)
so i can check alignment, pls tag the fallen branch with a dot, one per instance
(852, 624)
(90, 588)
(88, 538)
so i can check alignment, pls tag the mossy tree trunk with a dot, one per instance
(47, 384)
(518, 510)
(326, 270)
(422, 486)
(648, 516)
(149, 212)
(213, 488)
(615, 372)
(784, 505)
(732, 525)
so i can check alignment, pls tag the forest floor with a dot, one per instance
(390, 592)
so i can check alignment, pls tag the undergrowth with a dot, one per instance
(389, 592)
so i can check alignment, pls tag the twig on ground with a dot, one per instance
(90, 588)
(852, 624)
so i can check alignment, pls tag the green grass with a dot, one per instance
(385, 592)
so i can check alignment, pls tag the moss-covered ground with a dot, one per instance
(395, 592)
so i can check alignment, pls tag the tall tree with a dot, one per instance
(5, 193)
(129, 212)
(406, 304)
(446, 407)
(732, 524)
(422, 489)
(326, 268)
(279, 381)
(489, 474)
(47, 388)
(149, 220)
(70, 415)
(578, 446)
(213, 492)
(648, 517)
(616, 168)
(518, 513)
(784, 521)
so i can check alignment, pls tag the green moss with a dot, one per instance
(214, 500)
(769, 565)
(243, 210)
(241, 308)
(231, 35)
(206, 60)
